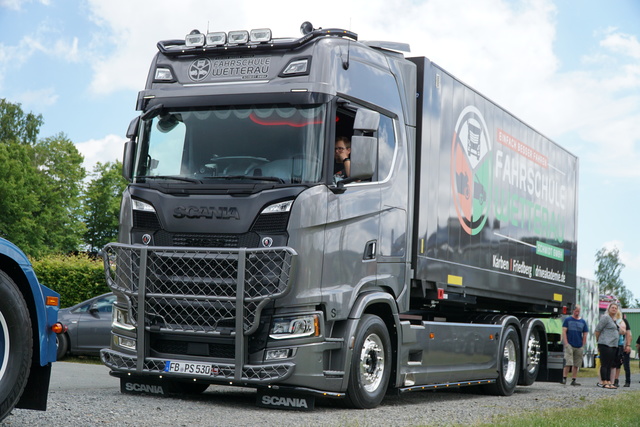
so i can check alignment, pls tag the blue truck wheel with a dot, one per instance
(16, 344)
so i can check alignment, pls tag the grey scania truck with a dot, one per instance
(243, 260)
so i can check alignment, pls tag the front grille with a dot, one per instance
(169, 346)
(271, 223)
(145, 220)
(198, 290)
(202, 240)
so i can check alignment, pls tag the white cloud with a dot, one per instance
(107, 149)
(37, 98)
(17, 4)
(621, 43)
(631, 263)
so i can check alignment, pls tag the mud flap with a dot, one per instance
(268, 398)
(142, 385)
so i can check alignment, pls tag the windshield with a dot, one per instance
(233, 144)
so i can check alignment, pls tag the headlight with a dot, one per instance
(139, 205)
(295, 327)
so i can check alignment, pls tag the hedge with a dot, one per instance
(75, 277)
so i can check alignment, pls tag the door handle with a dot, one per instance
(370, 249)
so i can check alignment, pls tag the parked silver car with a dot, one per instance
(89, 326)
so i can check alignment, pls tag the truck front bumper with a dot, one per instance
(220, 372)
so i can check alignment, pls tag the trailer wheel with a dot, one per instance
(370, 364)
(508, 364)
(16, 344)
(533, 357)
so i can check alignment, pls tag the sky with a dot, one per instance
(568, 68)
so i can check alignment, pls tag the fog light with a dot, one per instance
(125, 342)
(281, 353)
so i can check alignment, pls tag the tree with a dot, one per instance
(17, 126)
(608, 272)
(41, 185)
(102, 204)
(59, 165)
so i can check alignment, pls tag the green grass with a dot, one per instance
(593, 373)
(619, 410)
(89, 360)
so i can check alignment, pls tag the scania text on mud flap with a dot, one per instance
(242, 260)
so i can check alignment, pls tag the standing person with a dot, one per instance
(617, 360)
(626, 354)
(607, 335)
(574, 338)
(638, 347)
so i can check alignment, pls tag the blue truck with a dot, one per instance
(28, 324)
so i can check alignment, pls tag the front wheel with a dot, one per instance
(508, 364)
(16, 344)
(370, 363)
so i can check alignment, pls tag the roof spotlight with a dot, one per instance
(194, 39)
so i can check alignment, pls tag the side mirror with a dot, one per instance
(366, 121)
(364, 149)
(129, 149)
(127, 160)
(364, 156)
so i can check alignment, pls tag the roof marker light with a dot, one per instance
(163, 74)
(297, 67)
(261, 35)
(238, 37)
(194, 39)
(216, 39)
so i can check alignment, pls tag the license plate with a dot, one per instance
(192, 368)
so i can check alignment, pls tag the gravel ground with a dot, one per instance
(86, 395)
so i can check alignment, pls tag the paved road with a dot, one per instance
(86, 395)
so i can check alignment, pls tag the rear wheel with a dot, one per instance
(533, 355)
(508, 364)
(16, 344)
(370, 363)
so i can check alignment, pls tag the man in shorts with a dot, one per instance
(574, 338)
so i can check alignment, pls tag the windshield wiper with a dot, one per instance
(177, 178)
(252, 178)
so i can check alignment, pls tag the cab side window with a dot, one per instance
(386, 147)
(386, 139)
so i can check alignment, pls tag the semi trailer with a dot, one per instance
(242, 260)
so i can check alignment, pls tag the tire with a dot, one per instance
(62, 341)
(508, 364)
(532, 358)
(370, 364)
(16, 344)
